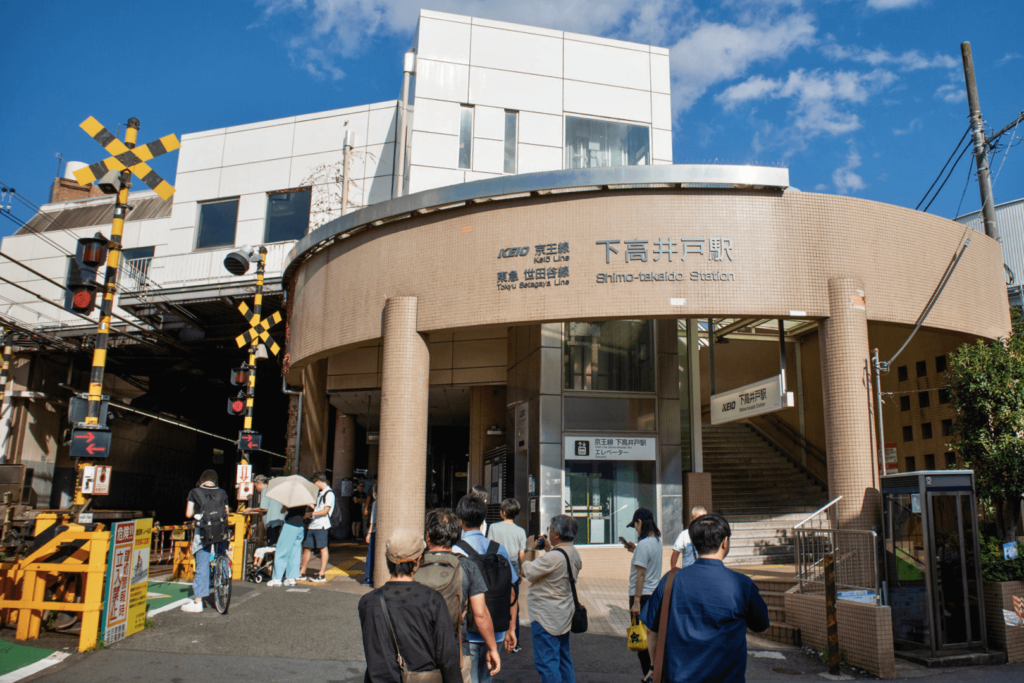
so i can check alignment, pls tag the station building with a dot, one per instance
(522, 291)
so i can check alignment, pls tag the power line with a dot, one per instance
(943, 169)
(966, 148)
(967, 184)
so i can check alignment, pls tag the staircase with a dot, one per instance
(759, 490)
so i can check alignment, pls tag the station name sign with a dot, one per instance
(705, 259)
(766, 396)
(610, 447)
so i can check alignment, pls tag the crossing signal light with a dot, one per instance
(239, 376)
(236, 405)
(81, 285)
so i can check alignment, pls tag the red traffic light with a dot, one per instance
(83, 297)
(236, 406)
(239, 377)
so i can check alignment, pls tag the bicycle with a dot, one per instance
(220, 578)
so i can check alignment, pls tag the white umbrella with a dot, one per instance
(292, 491)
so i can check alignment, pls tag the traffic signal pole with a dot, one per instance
(99, 356)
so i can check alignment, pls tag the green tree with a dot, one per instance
(986, 383)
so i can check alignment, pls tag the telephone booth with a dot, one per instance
(932, 561)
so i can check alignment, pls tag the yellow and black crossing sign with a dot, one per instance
(123, 158)
(258, 329)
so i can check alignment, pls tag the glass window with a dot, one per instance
(911, 464)
(926, 430)
(929, 462)
(603, 496)
(901, 372)
(940, 364)
(137, 253)
(615, 355)
(287, 215)
(601, 413)
(217, 224)
(922, 368)
(466, 138)
(943, 396)
(511, 126)
(908, 433)
(591, 143)
(925, 399)
(904, 403)
(947, 427)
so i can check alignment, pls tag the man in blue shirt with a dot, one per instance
(471, 512)
(710, 610)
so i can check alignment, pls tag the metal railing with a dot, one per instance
(854, 551)
(194, 269)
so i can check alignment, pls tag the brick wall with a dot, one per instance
(64, 190)
(865, 631)
(1009, 639)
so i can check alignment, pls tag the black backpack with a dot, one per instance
(213, 527)
(497, 573)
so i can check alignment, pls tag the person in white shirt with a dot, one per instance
(317, 534)
(683, 546)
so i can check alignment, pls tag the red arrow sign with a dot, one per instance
(93, 448)
(89, 436)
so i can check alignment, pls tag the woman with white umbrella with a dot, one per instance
(294, 495)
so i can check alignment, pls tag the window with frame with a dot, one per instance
(511, 135)
(287, 215)
(593, 143)
(217, 222)
(908, 433)
(926, 430)
(901, 373)
(925, 399)
(940, 364)
(910, 463)
(947, 427)
(922, 368)
(614, 355)
(904, 403)
(943, 396)
(466, 137)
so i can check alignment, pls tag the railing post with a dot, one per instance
(93, 594)
(831, 615)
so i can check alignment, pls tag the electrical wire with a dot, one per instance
(966, 148)
(970, 167)
(964, 137)
(1006, 153)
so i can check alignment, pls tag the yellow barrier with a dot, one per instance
(23, 583)
(184, 566)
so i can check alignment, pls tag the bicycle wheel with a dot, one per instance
(222, 583)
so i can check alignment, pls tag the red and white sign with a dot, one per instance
(102, 485)
(120, 573)
(243, 474)
(245, 491)
(88, 479)
(891, 461)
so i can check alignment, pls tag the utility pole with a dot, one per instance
(988, 209)
(408, 69)
(257, 311)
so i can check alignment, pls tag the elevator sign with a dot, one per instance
(766, 396)
(610, 447)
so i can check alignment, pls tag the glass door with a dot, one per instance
(907, 570)
(955, 580)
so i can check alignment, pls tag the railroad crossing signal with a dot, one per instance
(249, 440)
(258, 329)
(133, 160)
(90, 443)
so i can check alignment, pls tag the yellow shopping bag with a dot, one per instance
(636, 636)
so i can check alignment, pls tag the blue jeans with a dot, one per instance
(478, 671)
(201, 580)
(551, 656)
(368, 576)
(289, 552)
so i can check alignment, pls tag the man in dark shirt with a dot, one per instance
(711, 609)
(418, 615)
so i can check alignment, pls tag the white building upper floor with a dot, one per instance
(486, 99)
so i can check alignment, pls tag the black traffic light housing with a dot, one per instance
(240, 376)
(81, 285)
(236, 405)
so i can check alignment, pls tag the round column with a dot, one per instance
(849, 422)
(402, 469)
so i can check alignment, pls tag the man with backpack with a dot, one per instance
(208, 506)
(493, 562)
(318, 531)
(460, 583)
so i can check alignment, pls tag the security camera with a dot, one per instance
(237, 262)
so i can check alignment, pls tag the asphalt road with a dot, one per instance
(271, 635)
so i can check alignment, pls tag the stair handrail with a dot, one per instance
(821, 510)
(797, 438)
(786, 454)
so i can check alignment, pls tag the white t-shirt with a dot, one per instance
(647, 554)
(684, 546)
(325, 499)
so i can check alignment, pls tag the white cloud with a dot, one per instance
(1008, 57)
(816, 96)
(844, 177)
(911, 60)
(951, 93)
(715, 52)
(915, 124)
(891, 4)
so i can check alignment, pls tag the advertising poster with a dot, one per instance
(124, 610)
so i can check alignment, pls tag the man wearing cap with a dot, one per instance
(417, 619)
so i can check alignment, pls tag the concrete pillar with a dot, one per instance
(344, 446)
(402, 474)
(846, 389)
(669, 508)
(312, 456)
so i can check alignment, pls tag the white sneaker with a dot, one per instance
(192, 606)
(289, 582)
(273, 583)
(303, 577)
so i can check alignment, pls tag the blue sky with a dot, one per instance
(857, 97)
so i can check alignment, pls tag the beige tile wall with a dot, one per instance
(865, 631)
